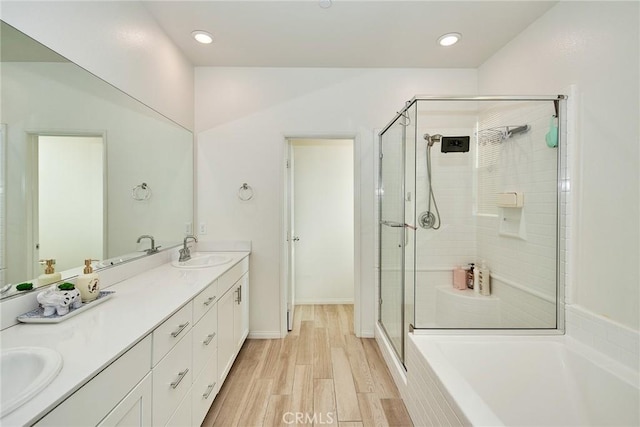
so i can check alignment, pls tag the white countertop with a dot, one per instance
(92, 340)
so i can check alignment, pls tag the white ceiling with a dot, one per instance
(299, 33)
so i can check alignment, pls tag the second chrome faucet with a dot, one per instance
(185, 252)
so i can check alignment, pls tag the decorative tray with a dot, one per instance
(36, 315)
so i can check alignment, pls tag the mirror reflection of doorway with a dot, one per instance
(69, 194)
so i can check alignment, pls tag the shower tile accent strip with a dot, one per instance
(613, 339)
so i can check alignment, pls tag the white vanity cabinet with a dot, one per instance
(172, 378)
(101, 399)
(173, 374)
(205, 353)
(182, 416)
(204, 390)
(233, 315)
(241, 311)
(134, 409)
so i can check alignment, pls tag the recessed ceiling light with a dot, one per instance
(202, 37)
(449, 39)
(325, 4)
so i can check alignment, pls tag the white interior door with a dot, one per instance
(323, 221)
(291, 288)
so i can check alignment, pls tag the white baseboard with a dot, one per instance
(327, 301)
(264, 335)
(367, 334)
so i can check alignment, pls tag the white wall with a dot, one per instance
(242, 118)
(117, 41)
(323, 221)
(594, 45)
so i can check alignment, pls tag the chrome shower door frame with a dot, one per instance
(560, 102)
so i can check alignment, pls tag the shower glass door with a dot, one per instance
(395, 236)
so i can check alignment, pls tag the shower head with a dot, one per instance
(432, 139)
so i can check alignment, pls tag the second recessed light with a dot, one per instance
(449, 39)
(202, 36)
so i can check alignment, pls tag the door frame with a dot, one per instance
(285, 199)
(32, 186)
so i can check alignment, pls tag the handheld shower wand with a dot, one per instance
(428, 219)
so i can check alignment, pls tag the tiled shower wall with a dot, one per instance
(454, 244)
(522, 263)
(526, 164)
(523, 266)
(452, 177)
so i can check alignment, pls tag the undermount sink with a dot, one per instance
(202, 260)
(25, 372)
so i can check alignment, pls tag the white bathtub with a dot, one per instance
(517, 381)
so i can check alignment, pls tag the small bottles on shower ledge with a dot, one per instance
(472, 278)
(459, 278)
(484, 279)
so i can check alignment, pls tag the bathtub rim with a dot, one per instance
(464, 396)
(493, 332)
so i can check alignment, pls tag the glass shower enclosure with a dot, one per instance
(471, 202)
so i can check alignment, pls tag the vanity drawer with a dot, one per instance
(170, 331)
(205, 388)
(205, 300)
(205, 339)
(182, 417)
(172, 379)
(232, 276)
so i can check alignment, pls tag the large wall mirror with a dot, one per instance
(85, 169)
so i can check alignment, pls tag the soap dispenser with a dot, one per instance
(50, 275)
(88, 283)
(470, 275)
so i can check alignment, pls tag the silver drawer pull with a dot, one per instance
(210, 300)
(181, 375)
(209, 390)
(180, 329)
(209, 338)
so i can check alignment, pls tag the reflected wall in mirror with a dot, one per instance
(45, 97)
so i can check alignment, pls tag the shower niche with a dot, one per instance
(471, 181)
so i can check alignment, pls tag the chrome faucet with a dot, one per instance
(185, 252)
(153, 249)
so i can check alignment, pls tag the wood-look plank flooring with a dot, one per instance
(321, 374)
